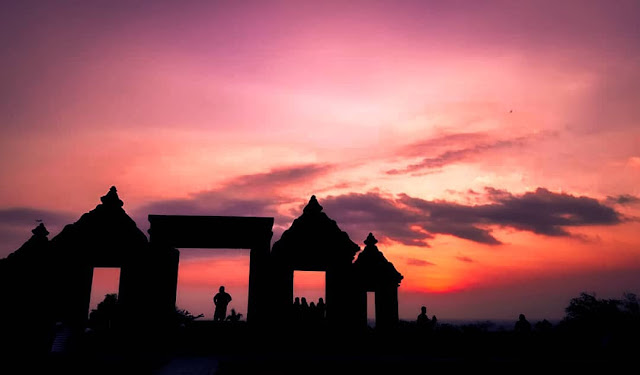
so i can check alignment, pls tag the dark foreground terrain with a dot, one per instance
(205, 347)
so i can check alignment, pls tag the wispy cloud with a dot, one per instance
(456, 155)
(16, 224)
(623, 199)
(419, 262)
(455, 148)
(279, 177)
(19, 216)
(260, 194)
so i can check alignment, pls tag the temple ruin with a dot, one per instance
(48, 282)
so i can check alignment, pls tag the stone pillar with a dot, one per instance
(387, 307)
(259, 286)
(160, 280)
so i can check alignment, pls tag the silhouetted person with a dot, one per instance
(522, 325)
(321, 307)
(221, 300)
(304, 309)
(296, 310)
(423, 320)
(312, 311)
(434, 322)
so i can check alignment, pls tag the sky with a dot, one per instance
(492, 147)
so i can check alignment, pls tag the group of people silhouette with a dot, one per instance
(521, 327)
(304, 311)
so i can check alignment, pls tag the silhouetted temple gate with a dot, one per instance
(103, 237)
(374, 273)
(226, 232)
(59, 272)
(314, 242)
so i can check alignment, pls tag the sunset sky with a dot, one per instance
(493, 147)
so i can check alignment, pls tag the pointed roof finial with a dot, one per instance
(112, 198)
(40, 231)
(313, 206)
(371, 240)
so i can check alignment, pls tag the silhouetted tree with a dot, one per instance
(603, 324)
(234, 317)
(543, 326)
(630, 305)
(184, 317)
(105, 315)
(588, 309)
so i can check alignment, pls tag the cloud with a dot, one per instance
(442, 141)
(454, 148)
(214, 203)
(542, 212)
(457, 155)
(464, 259)
(415, 221)
(259, 194)
(244, 195)
(279, 177)
(27, 216)
(419, 262)
(16, 224)
(359, 214)
(623, 199)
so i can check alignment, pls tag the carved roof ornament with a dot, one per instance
(314, 241)
(111, 198)
(313, 206)
(40, 231)
(373, 267)
(371, 240)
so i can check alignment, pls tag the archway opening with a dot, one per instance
(371, 309)
(201, 272)
(310, 285)
(106, 280)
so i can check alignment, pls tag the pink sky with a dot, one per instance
(493, 148)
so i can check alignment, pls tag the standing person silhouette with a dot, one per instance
(221, 300)
(522, 325)
(423, 321)
(321, 308)
(304, 310)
